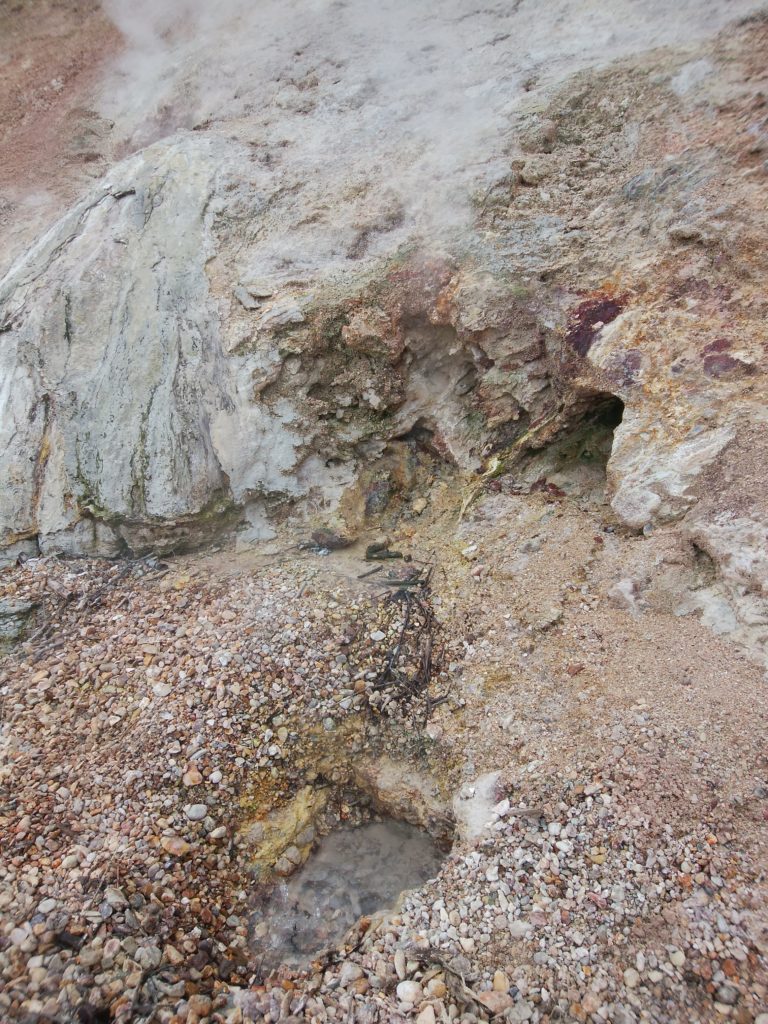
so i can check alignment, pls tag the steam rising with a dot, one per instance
(391, 90)
(407, 101)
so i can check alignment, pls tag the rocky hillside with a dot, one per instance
(490, 280)
(480, 237)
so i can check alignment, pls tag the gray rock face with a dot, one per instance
(146, 405)
(13, 618)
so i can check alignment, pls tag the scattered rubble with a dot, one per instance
(165, 711)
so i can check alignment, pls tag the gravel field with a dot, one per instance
(609, 857)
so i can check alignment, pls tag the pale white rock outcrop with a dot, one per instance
(117, 396)
(652, 478)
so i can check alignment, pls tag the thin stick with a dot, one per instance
(371, 572)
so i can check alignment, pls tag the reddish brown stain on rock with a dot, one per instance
(719, 345)
(723, 365)
(417, 287)
(588, 317)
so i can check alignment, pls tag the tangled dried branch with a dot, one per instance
(415, 660)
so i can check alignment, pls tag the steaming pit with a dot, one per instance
(353, 873)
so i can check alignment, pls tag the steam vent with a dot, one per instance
(383, 512)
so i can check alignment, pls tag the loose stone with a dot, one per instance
(410, 992)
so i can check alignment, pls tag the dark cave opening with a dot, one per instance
(574, 463)
(606, 410)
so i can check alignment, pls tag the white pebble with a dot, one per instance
(410, 992)
(631, 978)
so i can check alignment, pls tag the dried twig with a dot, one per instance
(409, 665)
(454, 979)
(371, 572)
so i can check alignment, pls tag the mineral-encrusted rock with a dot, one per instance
(121, 398)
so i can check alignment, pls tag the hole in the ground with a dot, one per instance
(421, 434)
(704, 565)
(353, 873)
(339, 850)
(606, 411)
